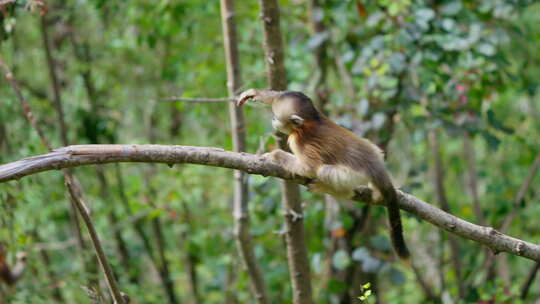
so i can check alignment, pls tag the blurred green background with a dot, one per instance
(451, 80)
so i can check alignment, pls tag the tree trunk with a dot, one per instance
(294, 222)
(240, 208)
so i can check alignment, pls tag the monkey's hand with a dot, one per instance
(281, 157)
(245, 96)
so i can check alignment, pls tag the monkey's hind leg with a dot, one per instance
(340, 180)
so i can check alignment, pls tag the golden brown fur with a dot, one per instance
(338, 160)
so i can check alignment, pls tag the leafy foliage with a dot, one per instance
(396, 70)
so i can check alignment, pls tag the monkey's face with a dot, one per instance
(286, 126)
(286, 118)
(291, 109)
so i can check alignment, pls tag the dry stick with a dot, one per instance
(69, 181)
(80, 155)
(297, 254)
(440, 192)
(238, 130)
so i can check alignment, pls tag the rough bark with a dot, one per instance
(241, 202)
(294, 223)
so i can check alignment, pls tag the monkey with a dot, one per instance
(335, 158)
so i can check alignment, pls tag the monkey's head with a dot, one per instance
(291, 109)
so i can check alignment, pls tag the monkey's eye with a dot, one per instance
(296, 120)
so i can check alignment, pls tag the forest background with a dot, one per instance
(449, 89)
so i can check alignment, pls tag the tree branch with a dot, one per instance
(81, 155)
(200, 100)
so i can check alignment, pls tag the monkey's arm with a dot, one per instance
(289, 161)
(261, 95)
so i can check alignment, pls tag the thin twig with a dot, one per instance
(200, 99)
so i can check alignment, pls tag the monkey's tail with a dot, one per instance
(382, 181)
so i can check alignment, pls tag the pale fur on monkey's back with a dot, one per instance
(339, 161)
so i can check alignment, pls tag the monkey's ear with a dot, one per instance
(297, 120)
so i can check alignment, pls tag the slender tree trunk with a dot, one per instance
(294, 222)
(440, 191)
(320, 53)
(241, 202)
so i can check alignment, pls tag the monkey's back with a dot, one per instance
(326, 143)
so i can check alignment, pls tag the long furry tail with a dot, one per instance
(382, 181)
